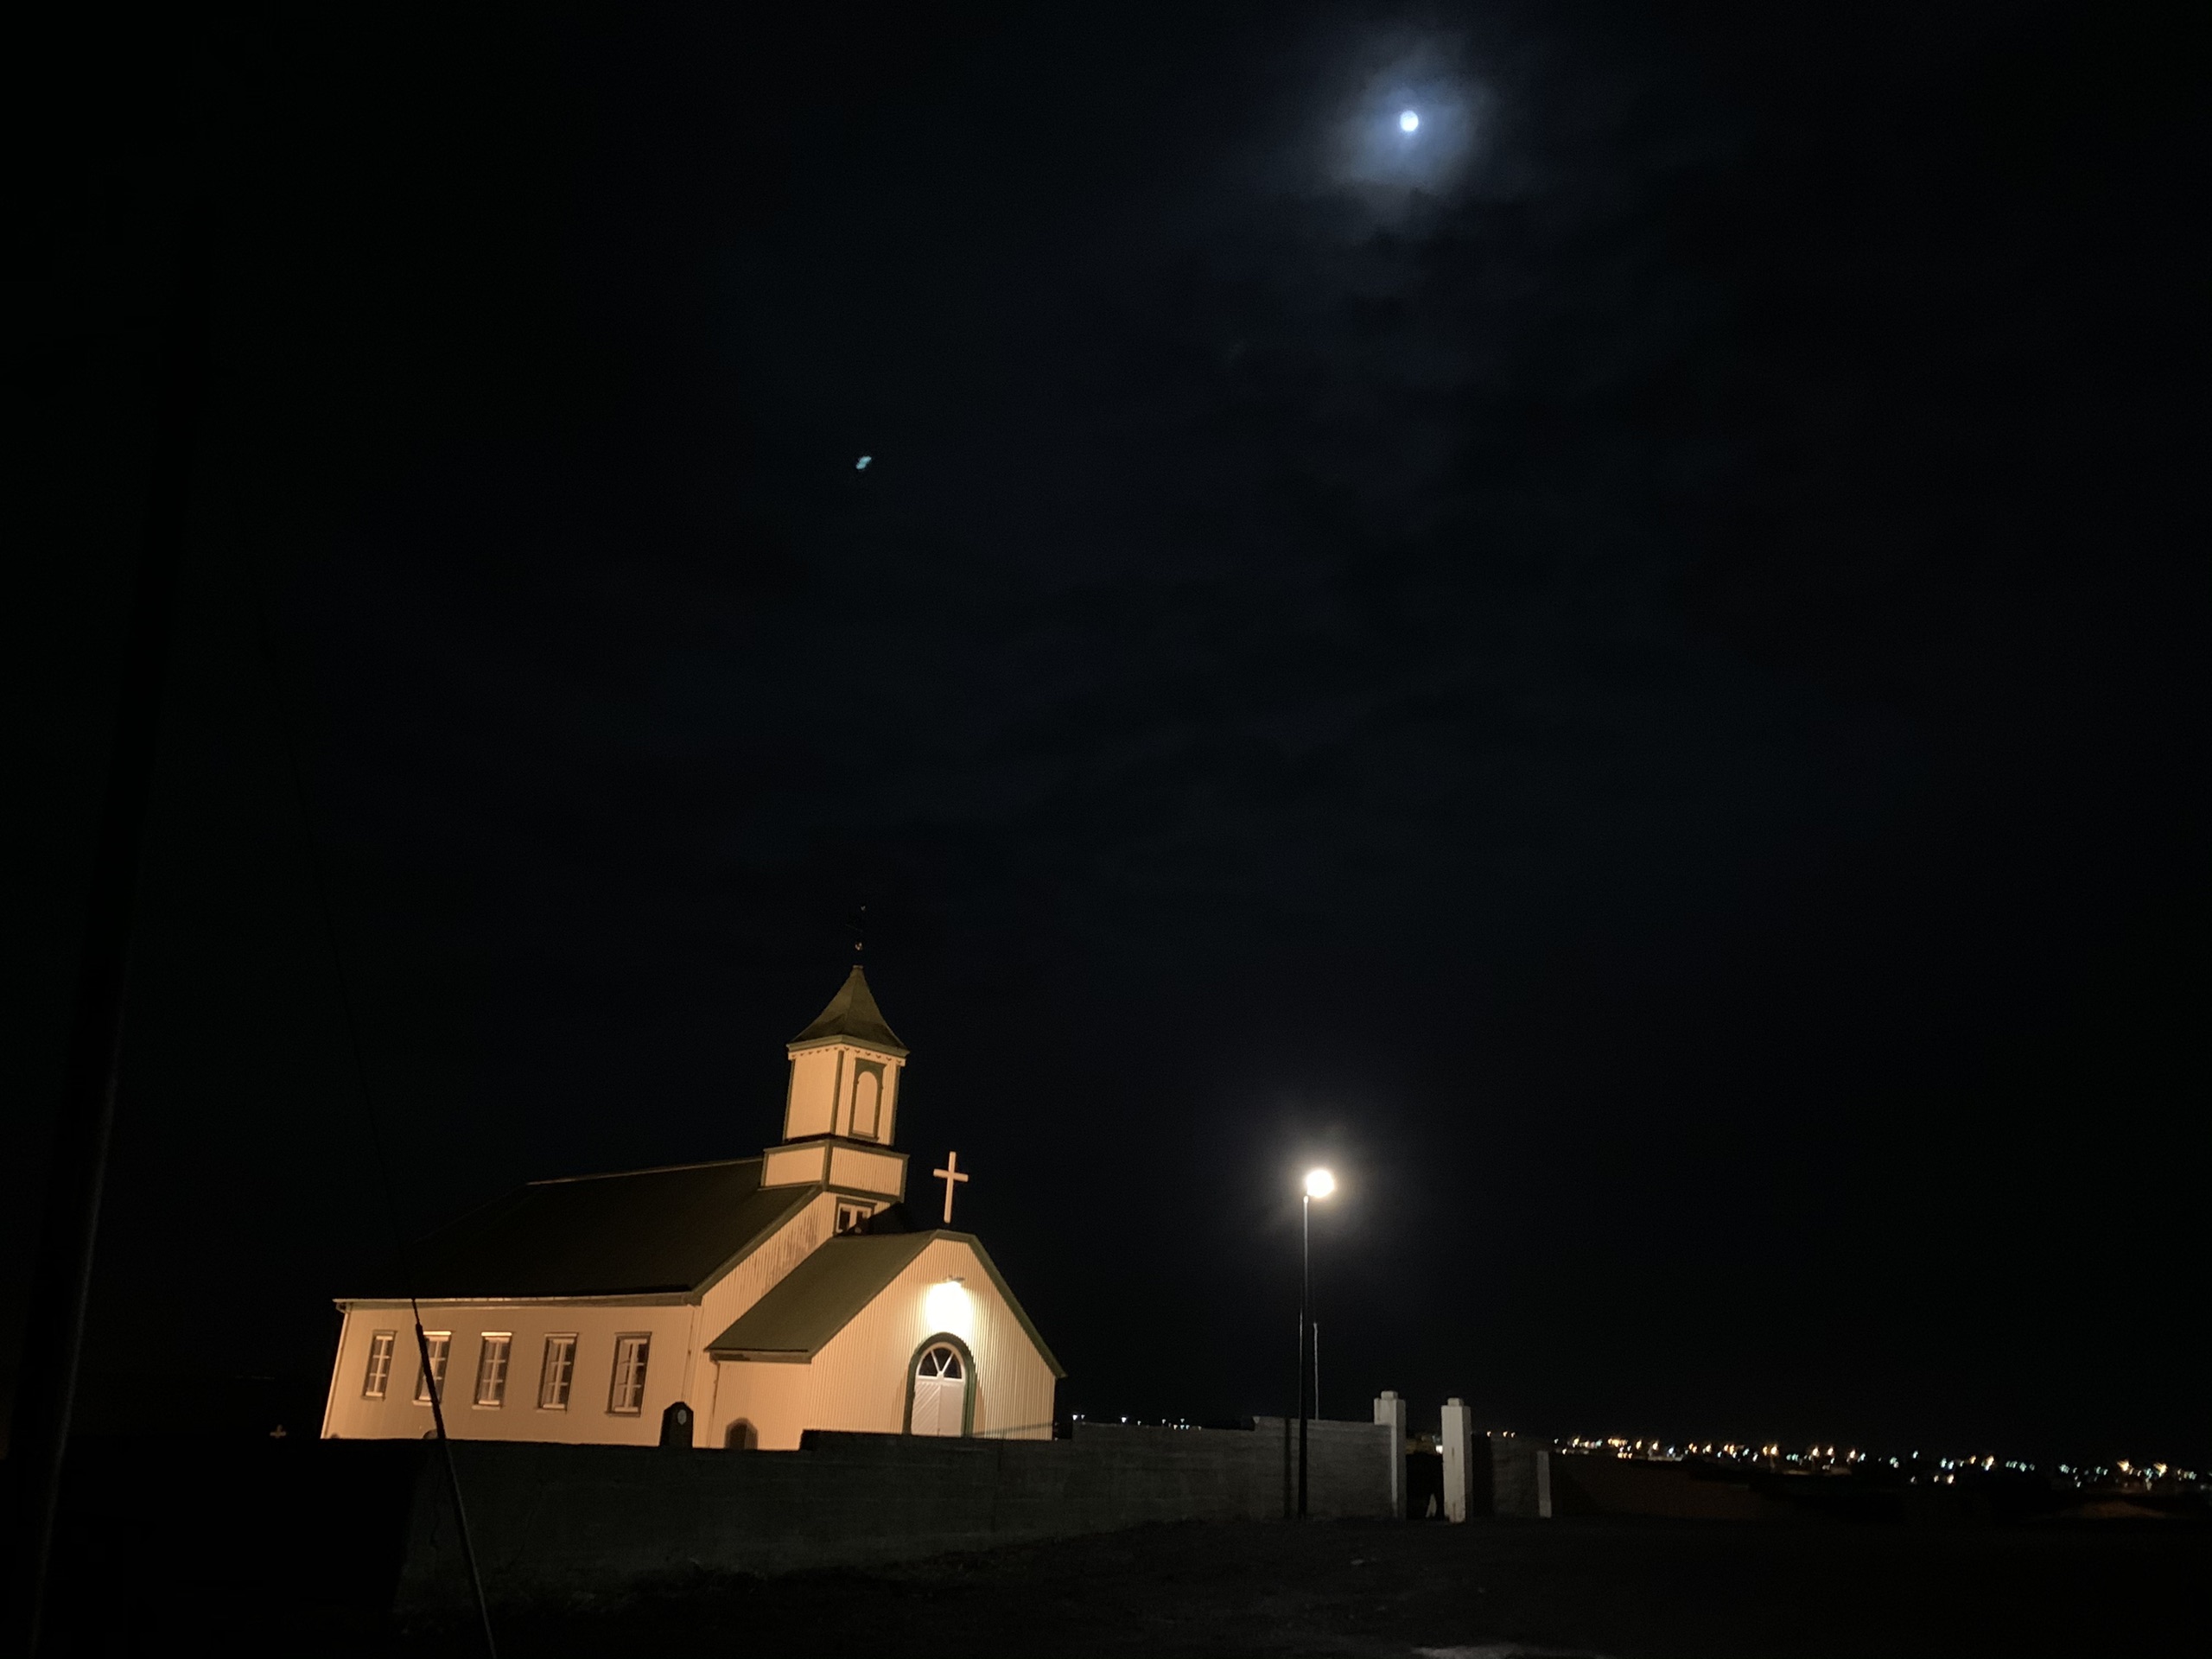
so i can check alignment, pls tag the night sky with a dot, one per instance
(1627, 668)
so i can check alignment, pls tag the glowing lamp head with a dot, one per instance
(947, 1308)
(1320, 1183)
(1409, 122)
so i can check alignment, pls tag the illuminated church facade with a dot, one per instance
(765, 1295)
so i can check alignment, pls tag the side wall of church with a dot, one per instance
(670, 1322)
(859, 1380)
(677, 1366)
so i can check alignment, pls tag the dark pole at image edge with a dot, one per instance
(54, 1331)
(1305, 1325)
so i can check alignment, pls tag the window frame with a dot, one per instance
(644, 1354)
(440, 1343)
(484, 1373)
(568, 1376)
(376, 1378)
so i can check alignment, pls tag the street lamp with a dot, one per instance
(1319, 1184)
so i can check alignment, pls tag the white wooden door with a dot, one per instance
(940, 1391)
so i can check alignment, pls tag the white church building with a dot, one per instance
(769, 1295)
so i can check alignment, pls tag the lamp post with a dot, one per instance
(1319, 1184)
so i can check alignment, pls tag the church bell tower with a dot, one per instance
(843, 1102)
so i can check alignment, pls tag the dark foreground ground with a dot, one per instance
(1490, 1588)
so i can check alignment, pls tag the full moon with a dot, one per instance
(1408, 121)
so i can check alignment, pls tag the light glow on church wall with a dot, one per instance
(947, 1306)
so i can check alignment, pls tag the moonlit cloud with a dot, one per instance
(1411, 121)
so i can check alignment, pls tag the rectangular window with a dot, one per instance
(851, 1217)
(379, 1374)
(441, 1344)
(560, 1370)
(491, 1368)
(627, 1395)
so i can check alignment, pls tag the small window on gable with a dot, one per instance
(378, 1382)
(852, 1217)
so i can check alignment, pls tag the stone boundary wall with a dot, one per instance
(1520, 1478)
(565, 1520)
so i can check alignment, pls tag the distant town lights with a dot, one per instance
(1918, 1467)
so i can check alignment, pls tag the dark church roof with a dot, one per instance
(820, 1296)
(650, 1230)
(851, 1012)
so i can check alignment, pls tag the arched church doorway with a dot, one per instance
(938, 1389)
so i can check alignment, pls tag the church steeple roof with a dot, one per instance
(852, 1015)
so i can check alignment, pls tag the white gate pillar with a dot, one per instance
(1392, 1410)
(1457, 1442)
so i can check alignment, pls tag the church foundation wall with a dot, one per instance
(563, 1519)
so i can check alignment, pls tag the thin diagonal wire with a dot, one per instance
(256, 577)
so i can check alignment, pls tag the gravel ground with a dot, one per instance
(1622, 1589)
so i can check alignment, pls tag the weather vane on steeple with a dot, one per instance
(859, 926)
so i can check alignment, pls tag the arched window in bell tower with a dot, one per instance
(868, 1100)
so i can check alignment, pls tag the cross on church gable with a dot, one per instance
(949, 1174)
